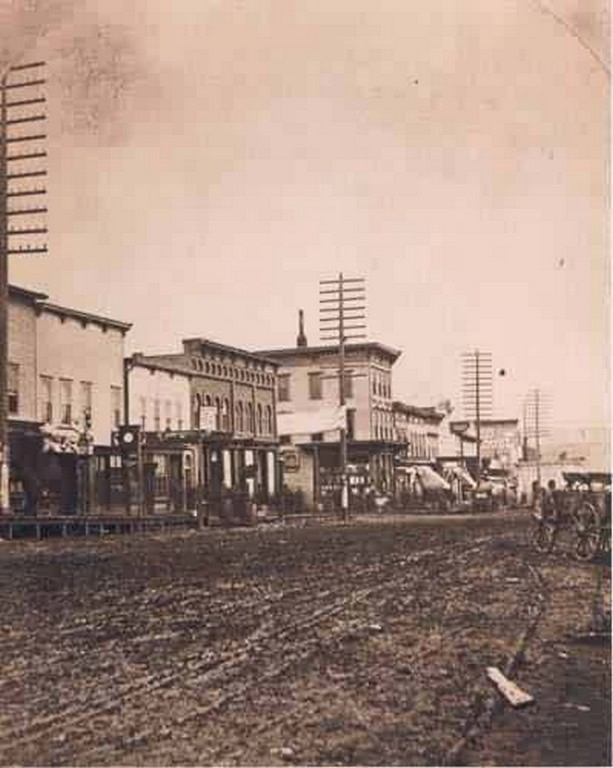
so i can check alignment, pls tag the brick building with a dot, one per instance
(212, 406)
(310, 418)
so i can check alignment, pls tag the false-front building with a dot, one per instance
(65, 392)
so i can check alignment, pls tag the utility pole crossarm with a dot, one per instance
(344, 299)
(11, 121)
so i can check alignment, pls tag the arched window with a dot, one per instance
(225, 415)
(250, 418)
(197, 406)
(207, 400)
(268, 420)
(217, 413)
(240, 424)
(259, 416)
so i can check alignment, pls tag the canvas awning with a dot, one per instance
(431, 480)
(63, 438)
(311, 422)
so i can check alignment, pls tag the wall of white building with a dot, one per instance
(158, 399)
(80, 364)
(369, 397)
(22, 357)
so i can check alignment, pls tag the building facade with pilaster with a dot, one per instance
(310, 417)
(215, 404)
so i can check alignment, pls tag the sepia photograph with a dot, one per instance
(305, 383)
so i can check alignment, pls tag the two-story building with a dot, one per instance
(417, 430)
(310, 417)
(65, 385)
(208, 418)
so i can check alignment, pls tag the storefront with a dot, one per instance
(50, 469)
(315, 471)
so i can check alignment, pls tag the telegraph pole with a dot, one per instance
(19, 109)
(477, 392)
(536, 410)
(337, 309)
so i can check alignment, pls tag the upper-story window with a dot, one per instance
(268, 420)
(86, 401)
(239, 422)
(116, 406)
(315, 386)
(348, 384)
(250, 425)
(260, 425)
(46, 398)
(350, 423)
(143, 412)
(196, 410)
(66, 401)
(225, 415)
(168, 409)
(13, 388)
(179, 414)
(284, 387)
(156, 415)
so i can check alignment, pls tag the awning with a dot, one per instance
(311, 422)
(465, 477)
(63, 438)
(431, 480)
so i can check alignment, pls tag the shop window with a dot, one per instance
(315, 386)
(13, 388)
(284, 387)
(66, 401)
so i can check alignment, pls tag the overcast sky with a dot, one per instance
(211, 161)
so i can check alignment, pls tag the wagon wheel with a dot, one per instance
(587, 528)
(544, 536)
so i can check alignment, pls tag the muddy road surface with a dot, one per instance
(353, 644)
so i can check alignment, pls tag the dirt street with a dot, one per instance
(363, 643)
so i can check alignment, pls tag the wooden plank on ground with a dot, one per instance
(512, 692)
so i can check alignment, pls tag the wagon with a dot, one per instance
(583, 508)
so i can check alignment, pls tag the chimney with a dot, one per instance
(301, 341)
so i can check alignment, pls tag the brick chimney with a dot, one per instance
(301, 340)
